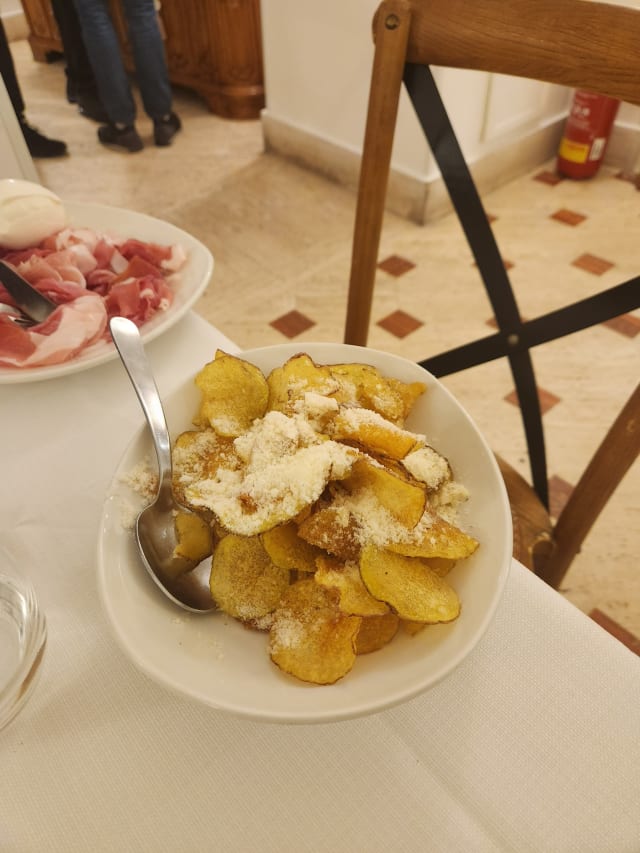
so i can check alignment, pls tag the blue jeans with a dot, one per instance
(102, 45)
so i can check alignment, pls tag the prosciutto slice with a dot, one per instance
(91, 277)
(71, 328)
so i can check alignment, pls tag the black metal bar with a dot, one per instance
(440, 135)
(604, 306)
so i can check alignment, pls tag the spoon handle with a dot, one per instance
(126, 337)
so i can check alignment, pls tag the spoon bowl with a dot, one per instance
(184, 581)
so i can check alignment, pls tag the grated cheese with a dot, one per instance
(428, 466)
(353, 418)
(374, 523)
(448, 499)
(287, 632)
(287, 468)
(142, 479)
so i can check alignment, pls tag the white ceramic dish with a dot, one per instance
(215, 660)
(193, 279)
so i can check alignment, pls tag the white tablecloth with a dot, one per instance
(532, 744)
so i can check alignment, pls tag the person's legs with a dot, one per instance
(81, 82)
(82, 88)
(151, 68)
(149, 57)
(101, 42)
(38, 144)
(80, 77)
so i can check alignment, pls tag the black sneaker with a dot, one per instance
(165, 128)
(90, 107)
(126, 137)
(40, 145)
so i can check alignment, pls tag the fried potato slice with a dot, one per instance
(412, 628)
(408, 392)
(403, 497)
(289, 383)
(234, 394)
(412, 590)
(288, 550)
(197, 455)
(310, 638)
(365, 385)
(334, 530)
(244, 582)
(355, 599)
(195, 541)
(372, 432)
(438, 539)
(440, 565)
(376, 632)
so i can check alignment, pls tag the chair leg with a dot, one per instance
(391, 32)
(614, 457)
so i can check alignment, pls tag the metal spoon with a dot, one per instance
(185, 582)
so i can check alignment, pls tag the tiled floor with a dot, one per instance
(281, 240)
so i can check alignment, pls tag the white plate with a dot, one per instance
(213, 659)
(191, 281)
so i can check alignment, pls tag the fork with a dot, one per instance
(15, 314)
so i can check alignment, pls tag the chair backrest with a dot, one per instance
(576, 43)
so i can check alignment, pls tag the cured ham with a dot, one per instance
(91, 277)
(71, 328)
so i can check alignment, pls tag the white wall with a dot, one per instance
(318, 57)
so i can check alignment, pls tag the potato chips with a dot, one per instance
(331, 525)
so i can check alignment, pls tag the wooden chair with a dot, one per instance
(576, 43)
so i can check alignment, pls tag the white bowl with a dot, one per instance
(214, 660)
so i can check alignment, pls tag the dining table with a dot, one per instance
(531, 744)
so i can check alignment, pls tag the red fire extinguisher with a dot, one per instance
(586, 134)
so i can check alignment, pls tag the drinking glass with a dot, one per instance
(22, 639)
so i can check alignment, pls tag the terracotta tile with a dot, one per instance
(292, 324)
(559, 493)
(400, 324)
(592, 264)
(626, 324)
(548, 177)
(547, 399)
(568, 217)
(396, 265)
(626, 637)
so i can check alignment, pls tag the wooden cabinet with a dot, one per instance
(213, 47)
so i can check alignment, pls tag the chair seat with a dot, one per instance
(532, 525)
